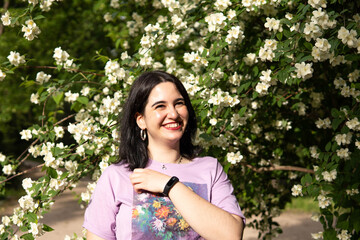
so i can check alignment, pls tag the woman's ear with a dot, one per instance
(140, 121)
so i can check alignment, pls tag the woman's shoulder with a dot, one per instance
(116, 169)
(206, 160)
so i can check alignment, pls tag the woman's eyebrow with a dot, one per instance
(162, 102)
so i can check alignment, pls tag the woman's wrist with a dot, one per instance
(169, 185)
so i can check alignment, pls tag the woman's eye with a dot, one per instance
(180, 103)
(159, 106)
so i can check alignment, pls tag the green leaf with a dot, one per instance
(47, 228)
(32, 217)
(83, 100)
(334, 112)
(242, 111)
(308, 45)
(27, 236)
(52, 172)
(226, 167)
(328, 146)
(58, 97)
(307, 179)
(336, 122)
(38, 17)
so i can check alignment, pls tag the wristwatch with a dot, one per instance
(173, 180)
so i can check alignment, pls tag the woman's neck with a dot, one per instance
(164, 154)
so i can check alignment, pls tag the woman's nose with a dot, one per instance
(173, 112)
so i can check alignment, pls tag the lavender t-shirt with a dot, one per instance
(115, 211)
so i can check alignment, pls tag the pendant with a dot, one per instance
(163, 167)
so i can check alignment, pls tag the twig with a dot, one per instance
(75, 70)
(23, 172)
(64, 119)
(33, 143)
(277, 167)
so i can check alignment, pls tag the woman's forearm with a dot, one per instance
(208, 220)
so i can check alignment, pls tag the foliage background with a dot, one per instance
(280, 128)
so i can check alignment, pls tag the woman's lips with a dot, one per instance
(172, 126)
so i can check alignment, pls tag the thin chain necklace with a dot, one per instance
(178, 161)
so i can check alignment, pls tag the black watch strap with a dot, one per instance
(173, 180)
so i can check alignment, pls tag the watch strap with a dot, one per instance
(173, 180)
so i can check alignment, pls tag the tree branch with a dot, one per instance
(277, 168)
(23, 172)
(75, 70)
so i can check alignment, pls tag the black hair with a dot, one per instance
(133, 150)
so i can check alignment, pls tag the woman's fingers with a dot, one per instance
(149, 180)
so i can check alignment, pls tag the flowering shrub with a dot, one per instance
(274, 83)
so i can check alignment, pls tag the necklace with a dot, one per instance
(178, 161)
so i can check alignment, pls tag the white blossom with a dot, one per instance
(221, 5)
(2, 157)
(352, 192)
(27, 183)
(273, 25)
(59, 132)
(6, 19)
(343, 153)
(2, 75)
(304, 70)
(34, 98)
(71, 97)
(234, 158)
(296, 190)
(250, 59)
(324, 201)
(27, 203)
(26, 134)
(216, 21)
(42, 77)
(15, 58)
(8, 169)
(30, 30)
(348, 37)
(344, 235)
(318, 235)
(36, 229)
(317, 3)
(329, 176)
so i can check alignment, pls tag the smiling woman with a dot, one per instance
(160, 188)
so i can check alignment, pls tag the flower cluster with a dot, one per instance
(234, 158)
(265, 82)
(16, 59)
(297, 190)
(62, 59)
(30, 30)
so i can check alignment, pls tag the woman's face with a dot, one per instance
(165, 116)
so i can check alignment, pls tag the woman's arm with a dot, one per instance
(91, 236)
(208, 220)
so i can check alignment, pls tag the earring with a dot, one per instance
(143, 134)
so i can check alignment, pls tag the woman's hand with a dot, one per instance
(148, 180)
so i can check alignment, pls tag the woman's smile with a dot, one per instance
(172, 126)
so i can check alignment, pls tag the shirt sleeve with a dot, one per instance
(100, 215)
(222, 193)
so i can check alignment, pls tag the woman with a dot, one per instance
(160, 189)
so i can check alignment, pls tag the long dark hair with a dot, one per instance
(132, 150)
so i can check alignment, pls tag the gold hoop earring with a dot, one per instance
(143, 134)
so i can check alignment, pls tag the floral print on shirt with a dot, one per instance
(155, 217)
